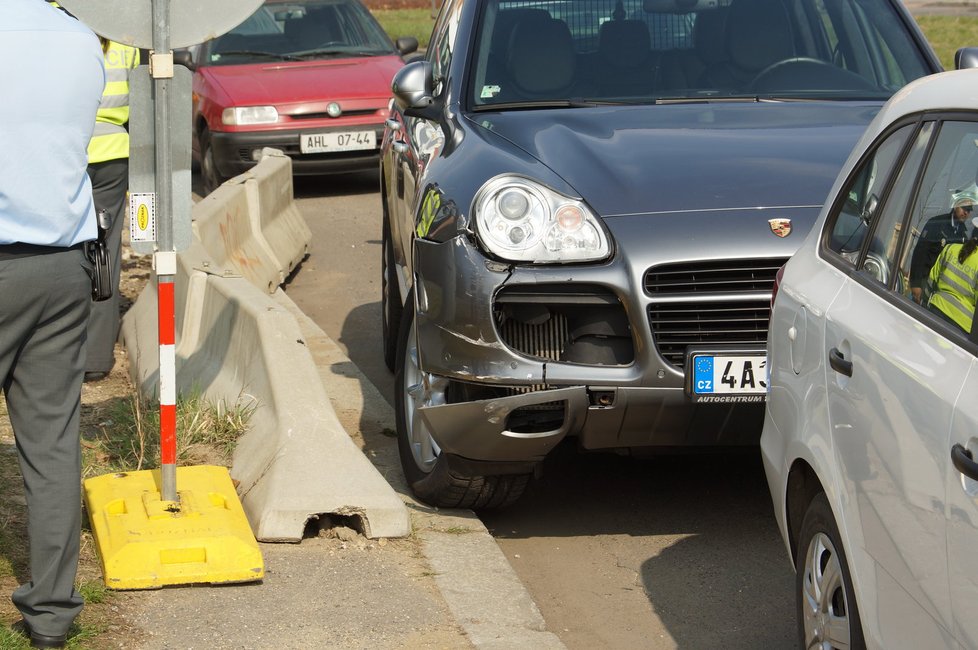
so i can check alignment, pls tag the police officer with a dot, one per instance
(955, 281)
(938, 232)
(108, 167)
(46, 216)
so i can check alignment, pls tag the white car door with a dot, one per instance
(962, 514)
(892, 378)
(890, 391)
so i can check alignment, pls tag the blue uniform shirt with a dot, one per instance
(51, 82)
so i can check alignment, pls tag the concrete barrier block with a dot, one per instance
(278, 218)
(237, 345)
(224, 224)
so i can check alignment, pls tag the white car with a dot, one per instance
(872, 415)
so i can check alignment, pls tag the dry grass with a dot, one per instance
(127, 439)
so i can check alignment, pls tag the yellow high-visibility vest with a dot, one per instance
(956, 285)
(110, 141)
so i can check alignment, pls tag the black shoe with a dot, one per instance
(39, 640)
(95, 375)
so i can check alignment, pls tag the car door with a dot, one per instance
(962, 514)
(951, 168)
(892, 375)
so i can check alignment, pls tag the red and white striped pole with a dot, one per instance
(166, 269)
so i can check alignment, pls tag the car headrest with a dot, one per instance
(507, 19)
(758, 34)
(541, 57)
(317, 27)
(708, 33)
(624, 43)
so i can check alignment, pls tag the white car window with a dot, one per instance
(881, 256)
(951, 171)
(849, 225)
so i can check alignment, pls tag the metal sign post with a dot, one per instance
(165, 257)
(143, 526)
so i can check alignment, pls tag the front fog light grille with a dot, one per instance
(544, 341)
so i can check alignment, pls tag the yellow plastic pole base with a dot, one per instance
(146, 543)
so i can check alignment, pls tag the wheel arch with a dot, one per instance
(802, 487)
(404, 284)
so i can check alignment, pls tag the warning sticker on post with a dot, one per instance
(142, 217)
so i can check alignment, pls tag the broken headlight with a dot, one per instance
(522, 221)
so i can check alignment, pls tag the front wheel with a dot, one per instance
(209, 175)
(438, 479)
(827, 612)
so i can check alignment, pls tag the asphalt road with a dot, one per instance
(618, 552)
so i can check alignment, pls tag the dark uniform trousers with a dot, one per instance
(110, 182)
(44, 307)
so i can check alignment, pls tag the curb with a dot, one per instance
(482, 590)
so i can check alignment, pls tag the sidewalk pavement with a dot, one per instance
(446, 586)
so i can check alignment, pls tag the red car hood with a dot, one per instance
(283, 83)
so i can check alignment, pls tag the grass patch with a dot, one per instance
(406, 22)
(127, 437)
(454, 530)
(947, 34)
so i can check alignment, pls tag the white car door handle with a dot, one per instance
(963, 462)
(839, 363)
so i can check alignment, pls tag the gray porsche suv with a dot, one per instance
(585, 205)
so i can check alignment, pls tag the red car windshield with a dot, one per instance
(301, 30)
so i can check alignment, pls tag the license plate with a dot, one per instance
(337, 141)
(726, 377)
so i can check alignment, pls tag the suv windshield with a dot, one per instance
(301, 30)
(564, 52)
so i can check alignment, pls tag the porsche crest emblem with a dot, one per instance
(780, 227)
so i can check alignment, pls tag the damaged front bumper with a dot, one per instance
(537, 354)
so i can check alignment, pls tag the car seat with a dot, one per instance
(758, 34)
(541, 61)
(317, 28)
(625, 59)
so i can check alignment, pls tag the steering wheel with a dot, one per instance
(806, 73)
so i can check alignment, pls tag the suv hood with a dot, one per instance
(282, 83)
(687, 157)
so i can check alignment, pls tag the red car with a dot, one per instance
(309, 77)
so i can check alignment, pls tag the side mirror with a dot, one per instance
(966, 57)
(406, 45)
(185, 58)
(412, 87)
(870, 209)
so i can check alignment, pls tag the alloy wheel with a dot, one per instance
(825, 607)
(420, 389)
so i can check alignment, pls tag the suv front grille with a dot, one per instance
(698, 304)
(722, 276)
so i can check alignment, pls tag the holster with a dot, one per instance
(98, 252)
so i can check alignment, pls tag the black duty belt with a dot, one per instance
(13, 251)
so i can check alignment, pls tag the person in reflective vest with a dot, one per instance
(108, 167)
(954, 278)
(938, 232)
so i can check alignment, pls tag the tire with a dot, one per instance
(390, 296)
(826, 605)
(438, 479)
(209, 176)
